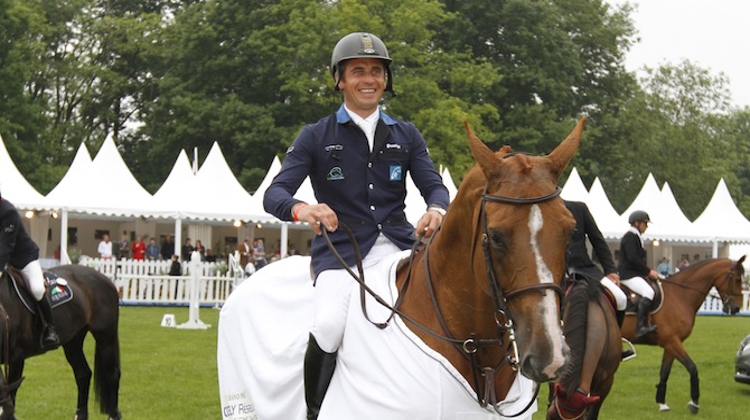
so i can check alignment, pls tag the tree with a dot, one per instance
(676, 128)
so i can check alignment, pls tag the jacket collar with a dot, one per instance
(342, 117)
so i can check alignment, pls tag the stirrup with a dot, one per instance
(630, 352)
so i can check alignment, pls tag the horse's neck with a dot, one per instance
(699, 283)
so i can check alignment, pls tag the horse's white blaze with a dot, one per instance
(550, 315)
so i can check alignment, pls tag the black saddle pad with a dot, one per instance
(58, 291)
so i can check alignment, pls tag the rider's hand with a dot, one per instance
(615, 278)
(427, 224)
(317, 213)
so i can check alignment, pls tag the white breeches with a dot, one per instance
(34, 279)
(620, 299)
(332, 293)
(639, 286)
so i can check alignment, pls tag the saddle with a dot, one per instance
(58, 290)
(634, 298)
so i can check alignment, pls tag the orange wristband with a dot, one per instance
(295, 213)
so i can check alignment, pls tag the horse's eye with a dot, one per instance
(496, 240)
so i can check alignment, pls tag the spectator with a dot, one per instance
(175, 269)
(199, 248)
(139, 249)
(123, 249)
(259, 254)
(152, 250)
(105, 248)
(664, 268)
(167, 248)
(187, 249)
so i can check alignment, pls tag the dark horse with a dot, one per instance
(93, 308)
(684, 293)
(591, 330)
(493, 271)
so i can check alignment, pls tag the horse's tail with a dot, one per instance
(107, 373)
(575, 328)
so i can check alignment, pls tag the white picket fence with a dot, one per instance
(148, 282)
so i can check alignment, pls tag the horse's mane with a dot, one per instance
(687, 271)
(576, 324)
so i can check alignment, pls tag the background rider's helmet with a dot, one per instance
(638, 216)
(361, 45)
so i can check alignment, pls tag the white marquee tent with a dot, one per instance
(105, 188)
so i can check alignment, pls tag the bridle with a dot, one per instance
(726, 300)
(469, 347)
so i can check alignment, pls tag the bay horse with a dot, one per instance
(94, 307)
(478, 305)
(591, 331)
(684, 293)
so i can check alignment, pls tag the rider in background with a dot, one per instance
(579, 261)
(357, 159)
(634, 270)
(19, 250)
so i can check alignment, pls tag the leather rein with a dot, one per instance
(469, 347)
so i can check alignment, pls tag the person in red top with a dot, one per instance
(139, 249)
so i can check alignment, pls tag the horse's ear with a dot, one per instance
(741, 260)
(485, 157)
(559, 159)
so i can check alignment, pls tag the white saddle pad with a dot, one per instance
(380, 374)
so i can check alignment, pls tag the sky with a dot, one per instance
(713, 34)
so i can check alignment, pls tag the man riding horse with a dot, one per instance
(19, 250)
(357, 160)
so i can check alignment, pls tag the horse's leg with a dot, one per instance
(694, 382)
(676, 350)
(15, 372)
(661, 388)
(82, 372)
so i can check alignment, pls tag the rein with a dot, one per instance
(470, 346)
(727, 279)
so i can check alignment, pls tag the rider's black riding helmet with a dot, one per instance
(361, 45)
(638, 216)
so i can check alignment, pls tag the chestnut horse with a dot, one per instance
(94, 307)
(479, 304)
(591, 331)
(503, 239)
(684, 293)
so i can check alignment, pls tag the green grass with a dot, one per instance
(167, 373)
(171, 374)
(712, 347)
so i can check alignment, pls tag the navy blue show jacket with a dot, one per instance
(365, 189)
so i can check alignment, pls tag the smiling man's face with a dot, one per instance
(363, 83)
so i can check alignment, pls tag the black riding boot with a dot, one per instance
(319, 367)
(642, 327)
(50, 340)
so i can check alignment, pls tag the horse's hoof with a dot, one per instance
(693, 407)
(663, 407)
